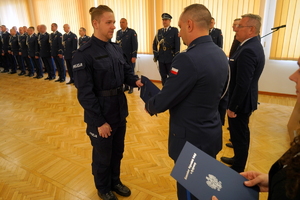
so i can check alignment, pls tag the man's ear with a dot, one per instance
(190, 25)
(95, 24)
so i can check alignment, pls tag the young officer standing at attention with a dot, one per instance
(100, 70)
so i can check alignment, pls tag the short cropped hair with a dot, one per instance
(31, 27)
(254, 20)
(82, 28)
(96, 13)
(55, 24)
(199, 14)
(237, 19)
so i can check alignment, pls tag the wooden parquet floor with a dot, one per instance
(46, 155)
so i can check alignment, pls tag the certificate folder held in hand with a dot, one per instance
(205, 177)
(148, 90)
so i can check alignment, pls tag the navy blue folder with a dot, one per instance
(148, 90)
(204, 176)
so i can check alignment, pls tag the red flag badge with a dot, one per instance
(174, 71)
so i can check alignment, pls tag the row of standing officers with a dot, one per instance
(25, 48)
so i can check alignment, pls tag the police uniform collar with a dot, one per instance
(202, 39)
(98, 41)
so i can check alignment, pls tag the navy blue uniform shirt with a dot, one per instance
(127, 40)
(44, 45)
(192, 94)
(83, 40)
(32, 43)
(14, 45)
(56, 43)
(217, 36)
(5, 41)
(166, 44)
(100, 66)
(70, 44)
(23, 45)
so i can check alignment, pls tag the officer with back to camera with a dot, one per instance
(127, 40)
(166, 46)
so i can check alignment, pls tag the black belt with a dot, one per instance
(109, 93)
(165, 48)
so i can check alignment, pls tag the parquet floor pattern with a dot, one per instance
(46, 155)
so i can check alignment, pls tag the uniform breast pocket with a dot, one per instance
(102, 64)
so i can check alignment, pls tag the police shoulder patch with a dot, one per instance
(78, 65)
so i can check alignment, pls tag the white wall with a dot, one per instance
(275, 77)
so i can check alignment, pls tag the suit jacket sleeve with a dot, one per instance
(245, 71)
(134, 44)
(60, 45)
(155, 44)
(74, 43)
(176, 88)
(220, 40)
(177, 43)
(83, 77)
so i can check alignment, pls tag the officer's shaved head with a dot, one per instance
(199, 14)
(96, 13)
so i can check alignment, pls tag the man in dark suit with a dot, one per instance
(70, 46)
(44, 52)
(127, 40)
(193, 90)
(216, 34)
(24, 52)
(7, 57)
(246, 66)
(33, 54)
(57, 53)
(168, 44)
(14, 50)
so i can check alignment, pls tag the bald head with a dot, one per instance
(66, 28)
(43, 28)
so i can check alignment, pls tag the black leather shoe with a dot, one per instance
(22, 73)
(58, 80)
(12, 72)
(47, 78)
(229, 145)
(122, 190)
(228, 161)
(130, 91)
(62, 80)
(52, 78)
(70, 82)
(108, 196)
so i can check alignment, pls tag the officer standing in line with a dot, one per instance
(100, 70)
(70, 46)
(24, 52)
(7, 57)
(1, 59)
(83, 37)
(44, 52)
(169, 46)
(127, 40)
(14, 49)
(33, 54)
(25, 30)
(57, 52)
(216, 34)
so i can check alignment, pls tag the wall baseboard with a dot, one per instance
(277, 94)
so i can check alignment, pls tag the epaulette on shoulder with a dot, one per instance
(85, 46)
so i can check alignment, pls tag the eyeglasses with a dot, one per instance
(240, 26)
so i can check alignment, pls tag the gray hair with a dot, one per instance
(254, 20)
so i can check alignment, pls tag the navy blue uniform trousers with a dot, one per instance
(164, 70)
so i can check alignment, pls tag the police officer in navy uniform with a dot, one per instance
(7, 57)
(100, 70)
(57, 52)
(127, 40)
(83, 37)
(216, 34)
(193, 90)
(44, 52)
(70, 46)
(168, 44)
(33, 54)
(24, 52)
(14, 50)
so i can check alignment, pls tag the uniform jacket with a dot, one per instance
(23, 46)
(277, 182)
(246, 65)
(5, 41)
(70, 44)
(234, 46)
(44, 45)
(128, 42)
(14, 45)
(32, 43)
(83, 40)
(99, 66)
(217, 37)
(165, 50)
(192, 94)
(56, 43)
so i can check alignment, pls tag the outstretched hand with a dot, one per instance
(257, 178)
